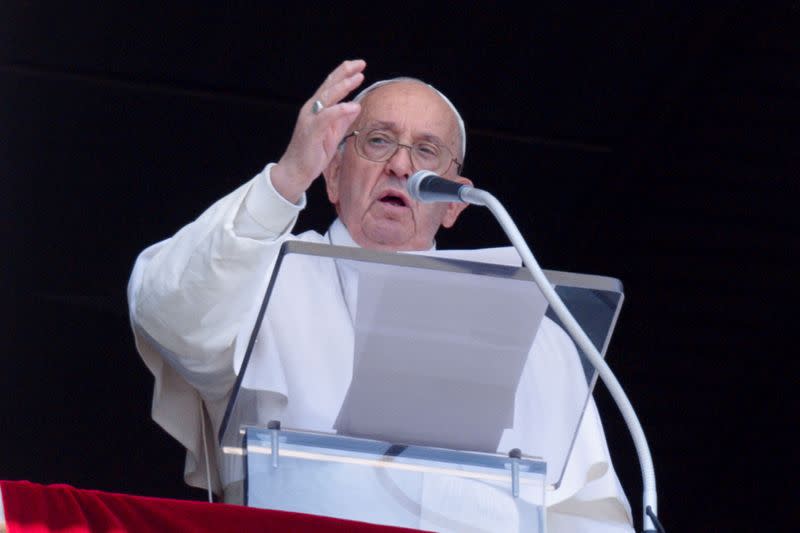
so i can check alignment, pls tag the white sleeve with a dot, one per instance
(188, 293)
(187, 296)
(265, 214)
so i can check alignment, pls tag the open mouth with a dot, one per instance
(393, 199)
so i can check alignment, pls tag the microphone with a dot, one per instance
(426, 186)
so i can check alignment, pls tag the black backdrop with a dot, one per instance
(653, 144)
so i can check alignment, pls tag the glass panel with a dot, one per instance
(408, 486)
(472, 357)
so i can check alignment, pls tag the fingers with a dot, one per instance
(346, 69)
(336, 116)
(318, 132)
(340, 82)
(338, 91)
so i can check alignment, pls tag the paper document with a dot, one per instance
(438, 356)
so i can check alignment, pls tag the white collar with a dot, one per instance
(338, 235)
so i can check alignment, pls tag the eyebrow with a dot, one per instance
(392, 126)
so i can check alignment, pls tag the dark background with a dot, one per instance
(656, 144)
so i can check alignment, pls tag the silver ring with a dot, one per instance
(317, 106)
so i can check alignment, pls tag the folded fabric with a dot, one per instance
(34, 508)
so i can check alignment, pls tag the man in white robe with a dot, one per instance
(193, 296)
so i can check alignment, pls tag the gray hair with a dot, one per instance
(462, 131)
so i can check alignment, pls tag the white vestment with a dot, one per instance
(193, 300)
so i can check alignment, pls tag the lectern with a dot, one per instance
(463, 402)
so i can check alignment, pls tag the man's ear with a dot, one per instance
(455, 208)
(331, 175)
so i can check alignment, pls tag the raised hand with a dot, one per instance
(318, 131)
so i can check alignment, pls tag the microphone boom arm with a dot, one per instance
(649, 497)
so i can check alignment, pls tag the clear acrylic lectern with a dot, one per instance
(463, 401)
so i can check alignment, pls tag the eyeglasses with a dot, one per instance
(380, 146)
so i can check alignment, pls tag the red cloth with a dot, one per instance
(32, 508)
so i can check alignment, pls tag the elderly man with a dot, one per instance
(190, 295)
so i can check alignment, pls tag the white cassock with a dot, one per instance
(193, 300)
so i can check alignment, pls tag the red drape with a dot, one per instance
(33, 508)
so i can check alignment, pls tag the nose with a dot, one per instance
(400, 163)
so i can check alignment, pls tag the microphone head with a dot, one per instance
(413, 184)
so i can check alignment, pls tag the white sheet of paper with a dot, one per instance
(438, 356)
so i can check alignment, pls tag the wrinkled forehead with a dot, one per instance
(410, 105)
